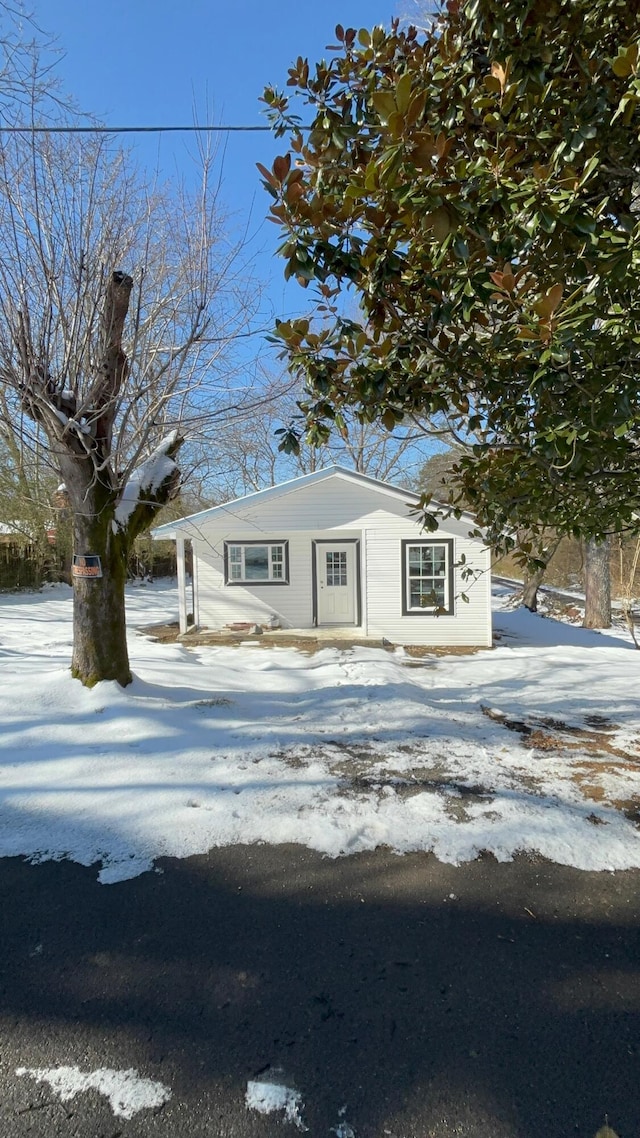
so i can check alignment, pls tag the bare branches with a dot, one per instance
(101, 401)
(119, 306)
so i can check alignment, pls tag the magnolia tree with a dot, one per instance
(475, 186)
(117, 306)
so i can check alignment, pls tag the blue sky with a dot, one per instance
(139, 62)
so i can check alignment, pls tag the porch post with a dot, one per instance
(194, 587)
(182, 590)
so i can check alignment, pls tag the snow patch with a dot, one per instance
(127, 1091)
(344, 1129)
(269, 1098)
(146, 479)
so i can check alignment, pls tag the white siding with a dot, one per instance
(333, 504)
(470, 623)
(222, 604)
(339, 508)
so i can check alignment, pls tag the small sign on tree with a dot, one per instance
(86, 565)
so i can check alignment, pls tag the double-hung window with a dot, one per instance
(427, 577)
(256, 562)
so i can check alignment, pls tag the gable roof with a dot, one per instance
(171, 529)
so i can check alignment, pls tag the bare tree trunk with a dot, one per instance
(545, 548)
(99, 629)
(531, 584)
(597, 579)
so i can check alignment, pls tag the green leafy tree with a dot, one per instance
(476, 186)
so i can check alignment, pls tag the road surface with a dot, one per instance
(391, 997)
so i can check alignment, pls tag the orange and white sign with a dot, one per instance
(86, 565)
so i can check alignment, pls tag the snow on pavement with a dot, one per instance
(532, 746)
(271, 1098)
(127, 1092)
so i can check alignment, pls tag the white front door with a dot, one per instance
(336, 582)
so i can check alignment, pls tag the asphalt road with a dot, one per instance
(399, 996)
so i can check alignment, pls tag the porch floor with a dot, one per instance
(307, 639)
(323, 632)
(304, 639)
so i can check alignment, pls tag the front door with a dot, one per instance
(336, 582)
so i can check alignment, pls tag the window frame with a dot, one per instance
(245, 582)
(430, 610)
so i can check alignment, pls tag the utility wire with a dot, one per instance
(131, 129)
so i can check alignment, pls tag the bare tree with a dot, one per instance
(372, 449)
(249, 457)
(27, 491)
(627, 584)
(118, 304)
(27, 58)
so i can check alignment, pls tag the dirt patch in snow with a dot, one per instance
(545, 734)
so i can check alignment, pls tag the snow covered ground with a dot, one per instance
(532, 746)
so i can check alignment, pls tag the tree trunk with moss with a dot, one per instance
(99, 626)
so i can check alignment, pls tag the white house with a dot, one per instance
(336, 549)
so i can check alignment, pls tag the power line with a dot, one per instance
(208, 129)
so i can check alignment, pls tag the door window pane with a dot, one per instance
(336, 568)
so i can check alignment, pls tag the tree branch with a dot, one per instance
(100, 405)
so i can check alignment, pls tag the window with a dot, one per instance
(250, 562)
(427, 577)
(336, 568)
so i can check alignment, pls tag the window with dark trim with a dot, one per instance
(256, 562)
(427, 577)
